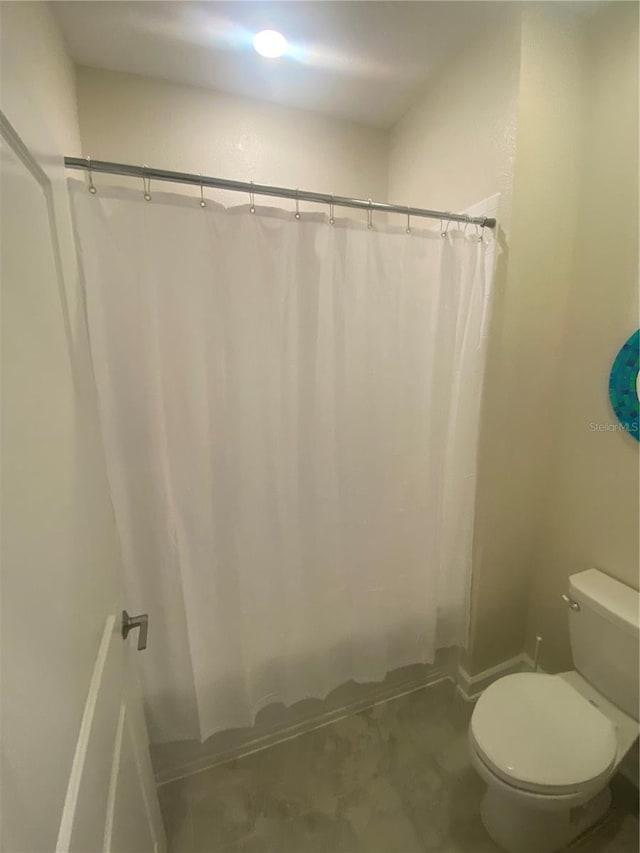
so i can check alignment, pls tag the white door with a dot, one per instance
(75, 771)
(111, 802)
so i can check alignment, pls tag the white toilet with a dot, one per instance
(547, 745)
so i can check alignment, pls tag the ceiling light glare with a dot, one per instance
(270, 43)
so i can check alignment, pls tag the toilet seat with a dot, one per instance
(537, 733)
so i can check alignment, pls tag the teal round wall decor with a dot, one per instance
(623, 385)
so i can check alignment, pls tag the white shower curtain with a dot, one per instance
(290, 416)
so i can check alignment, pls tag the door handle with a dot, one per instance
(141, 622)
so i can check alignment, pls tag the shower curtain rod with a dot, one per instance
(148, 173)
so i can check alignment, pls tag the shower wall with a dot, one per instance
(133, 119)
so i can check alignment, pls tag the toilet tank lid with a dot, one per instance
(612, 599)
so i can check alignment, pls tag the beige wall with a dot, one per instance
(133, 119)
(456, 146)
(35, 67)
(592, 511)
(524, 370)
(60, 558)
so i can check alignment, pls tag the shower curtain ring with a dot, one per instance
(331, 217)
(92, 188)
(408, 228)
(481, 229)
(146, 184)
(369, 215)
(252, 208)
(297, 204)
(446, 228)
(203, 203)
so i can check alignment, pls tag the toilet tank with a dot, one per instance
(604, 630)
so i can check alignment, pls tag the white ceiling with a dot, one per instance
(365, 61)
(356, 59)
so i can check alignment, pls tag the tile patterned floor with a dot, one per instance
(392, 779)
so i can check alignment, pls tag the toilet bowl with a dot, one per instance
(546, 753)
(547, 745)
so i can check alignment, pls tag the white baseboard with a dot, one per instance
(471, 686)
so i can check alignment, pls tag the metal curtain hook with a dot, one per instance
(331, 217)
(203, 203)
(92, 188)
(446, 228)
(297, 205)
(408, 229)
(369, 215)
(481, 234)
(146, 185)
(252, 208)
